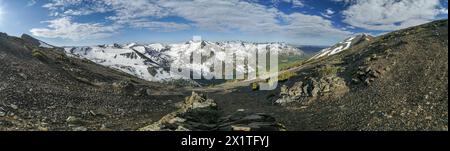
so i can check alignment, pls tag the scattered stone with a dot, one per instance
(2, 55)
(103, 127)
(41, 128)
(106, 127)
(3, 86)
(125, 87)
(92, 113)
(69, 105)
(14, 107)
(355, 80)
(51, 107)
(80, 128)
(199, 101)
(285, 100)
(198, 113)
(25, 77)
(176, 120)
(73, 120)
(149, 92)
(240, 128)
(5, 123)
(367, 75)
(284, 89)
(181, 128)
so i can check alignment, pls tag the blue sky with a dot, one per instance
(303, 22)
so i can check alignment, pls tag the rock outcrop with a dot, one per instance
(197, 113)
(245, 121)
(311, 88)
(367, 75)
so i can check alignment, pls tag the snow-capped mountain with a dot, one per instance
(152, 62)
(342, 46)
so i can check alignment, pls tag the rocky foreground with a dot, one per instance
(198, 113)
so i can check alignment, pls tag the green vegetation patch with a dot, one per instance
(286, 76)
(329, 70)
(38, 54)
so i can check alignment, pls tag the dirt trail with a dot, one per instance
(232, 85)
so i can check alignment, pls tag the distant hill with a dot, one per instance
(311, 50)
(41, 88)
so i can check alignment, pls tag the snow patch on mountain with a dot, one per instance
(342, 46)
(45, 45)
(153, 62)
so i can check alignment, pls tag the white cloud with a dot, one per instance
(62, 8)
(57, 4)
(328, 13)
(214, 15)
(312, 26)
(225, 15)
(250, 17)
(294, 3)
(159, 26)
(66, 29)
(387, 15)
(133, 9)
(444, 11)
(31, 3)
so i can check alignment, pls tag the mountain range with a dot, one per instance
(396, 81)
(152, 62)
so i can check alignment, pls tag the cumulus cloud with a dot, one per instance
(214, 15)
(66, 29)
(250, 17)
(328, 13)
(295, 3)
(387, 15)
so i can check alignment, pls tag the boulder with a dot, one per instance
(196, 101)
(73, 120)
(367, 75)
(311, 88)
(247, 121)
